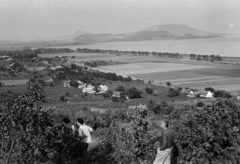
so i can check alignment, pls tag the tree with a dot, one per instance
(173, 92)
(168, 83)
(222, 94)
(210, 89)
(73, 66)
(149, 90)
(62, 98)
(133, 93)
(120, 88)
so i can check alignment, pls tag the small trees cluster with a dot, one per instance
(173, 92)
(133, 93)
(149, 90)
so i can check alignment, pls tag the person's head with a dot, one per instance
(80, 121)
(164, 124)
(66, 120)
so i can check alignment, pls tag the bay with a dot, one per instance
(228, 46)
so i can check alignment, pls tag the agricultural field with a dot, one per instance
(180, 72)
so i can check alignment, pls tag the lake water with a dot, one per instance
(223, 46)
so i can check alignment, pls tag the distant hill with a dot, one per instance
(156, 32)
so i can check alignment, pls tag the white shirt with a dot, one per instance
(85, 130)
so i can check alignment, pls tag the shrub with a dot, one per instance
(222, 94)
(173, 92)
(74, 83)
(133, 93)
(149, 90)
(120, 88)
(107, 94)
(67, 94)
(210, 89)
(209, 135)
(133, 142)
(51, 84)
(200, 104)
(62, 98)
(168, 83)
(115, 99)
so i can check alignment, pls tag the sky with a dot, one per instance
(37, 19)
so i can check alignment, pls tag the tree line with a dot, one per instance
(137, 53)
(206, 57)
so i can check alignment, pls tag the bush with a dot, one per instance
(210, 89)
(62, 98)
(209, 135)
(74, 83)
(133, 143)
(222, 94)
(149, 90)
(51, 84)
(173, 92)
(200, 104)
(67, 94)
(133, 93)
(120, 88)
(107, 94)
(168, 83)
(115, 99)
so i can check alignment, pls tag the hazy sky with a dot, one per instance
(52, 18)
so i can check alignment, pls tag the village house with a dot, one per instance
(119, 94)
(102, 88)
(189, 92)
(89, 89)
(66, 83)
(206, 94)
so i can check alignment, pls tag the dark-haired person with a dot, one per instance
(85, 133)
(65, 121)
(166, 144)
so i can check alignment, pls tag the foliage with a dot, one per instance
(149, 90)
(208, 135)
(222, 94)
(173, 92)
(168, 83)
(107, 94)
(133, 142)
(120, 88)
(62, 98)
(210, 89)
(133, 93)
(29, 134)
(161, 109)
(74, 83)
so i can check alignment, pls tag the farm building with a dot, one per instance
(89, 89)
(80, 82)
(189, 92)
(81, 86)
(66, 83)
(119, 94)
(206, 94)
(102, 88)
(45, 62)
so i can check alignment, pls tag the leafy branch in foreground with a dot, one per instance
(208, 135)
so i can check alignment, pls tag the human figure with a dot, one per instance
(85, 133)
(166, 144)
